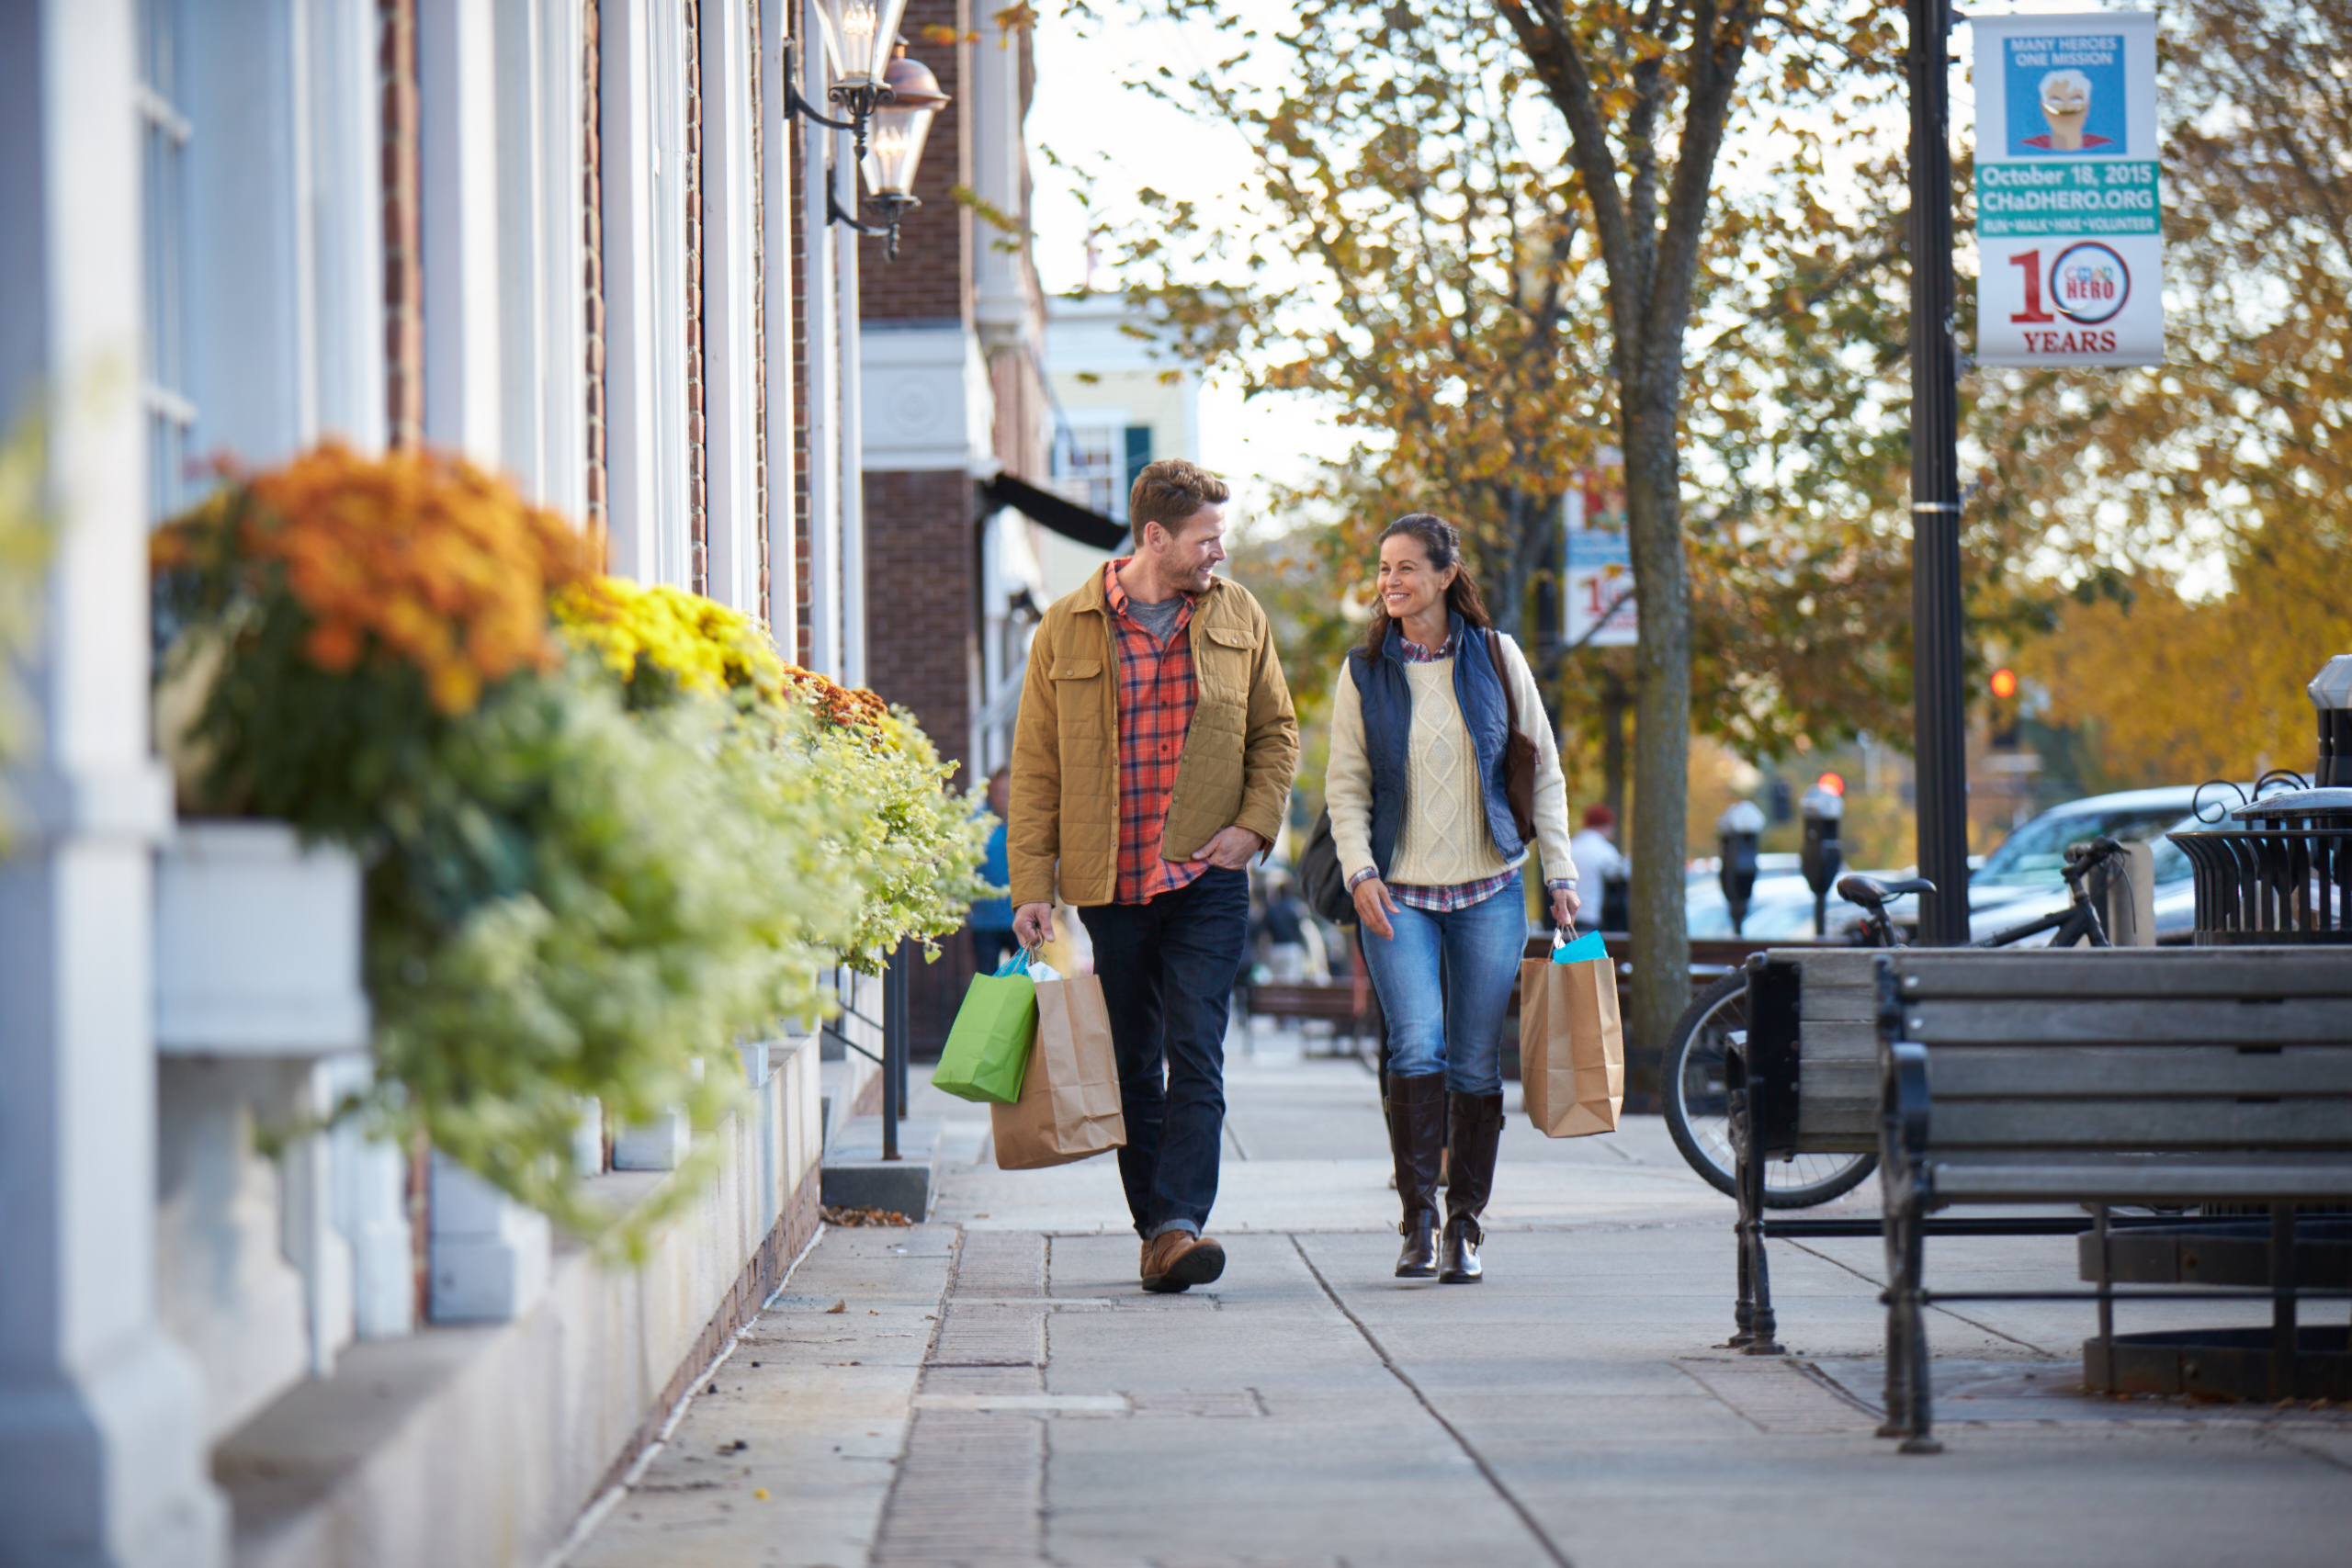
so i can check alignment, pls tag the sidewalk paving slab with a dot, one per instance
(1024, 1405)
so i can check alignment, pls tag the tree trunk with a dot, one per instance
(1614, 698)
(1661, 736)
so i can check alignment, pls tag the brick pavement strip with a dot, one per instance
(970, 1487)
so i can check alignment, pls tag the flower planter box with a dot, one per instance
(257, 944)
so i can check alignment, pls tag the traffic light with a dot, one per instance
(2002, 712)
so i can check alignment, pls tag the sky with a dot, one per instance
(1083, 112)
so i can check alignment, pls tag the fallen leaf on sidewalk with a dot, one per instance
(842, 1305)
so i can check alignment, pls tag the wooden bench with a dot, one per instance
(2195, 1076)
(1347, 1005)
(1804, 1080)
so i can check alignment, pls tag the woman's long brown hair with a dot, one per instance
(1442, 541)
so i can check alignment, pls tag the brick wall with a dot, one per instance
(931, 281)
(923, 596)
(922, 605)
(403, 244)
(592, 201)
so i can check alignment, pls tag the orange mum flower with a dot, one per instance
(415, 556)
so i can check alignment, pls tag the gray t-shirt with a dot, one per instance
(1158, 619)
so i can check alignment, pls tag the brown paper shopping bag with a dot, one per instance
(1069, 1108)
(1571, 1047)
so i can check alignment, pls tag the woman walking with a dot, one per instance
(1421, 814)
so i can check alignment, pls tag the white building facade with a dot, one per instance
(580, 241)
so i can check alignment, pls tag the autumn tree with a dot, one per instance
(1483, 232)
(2202, 502)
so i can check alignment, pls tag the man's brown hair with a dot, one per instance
(1169, 491)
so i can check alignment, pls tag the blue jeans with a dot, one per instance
(1167, 969)
(1444, 983)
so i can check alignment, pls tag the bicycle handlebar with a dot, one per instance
(2082, 858)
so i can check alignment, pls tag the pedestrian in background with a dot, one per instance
(992, 919)
(1152, 759)
(1602, 867)
(1421, 723)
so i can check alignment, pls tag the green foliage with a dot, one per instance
(916, 848)
(624, 858)
(574, 901)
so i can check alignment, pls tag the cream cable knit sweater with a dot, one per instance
(1444, 840)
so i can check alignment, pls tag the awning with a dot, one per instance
(1066, 518)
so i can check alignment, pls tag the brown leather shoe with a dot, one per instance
(1177, 1260)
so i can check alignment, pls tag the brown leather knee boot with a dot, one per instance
(1416, 1134)
(1477, 1133)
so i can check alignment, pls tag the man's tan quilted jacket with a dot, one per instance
(1239, 754)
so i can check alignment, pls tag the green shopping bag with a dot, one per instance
(988, 1051)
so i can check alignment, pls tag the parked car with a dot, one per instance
(2025, 877)
(2017, 883)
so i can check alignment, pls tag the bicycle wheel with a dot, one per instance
(1697, 1113)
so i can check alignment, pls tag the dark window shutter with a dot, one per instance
(1138, 457)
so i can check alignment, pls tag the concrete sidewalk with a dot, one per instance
(991, 1387)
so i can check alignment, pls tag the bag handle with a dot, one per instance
(1017, 963)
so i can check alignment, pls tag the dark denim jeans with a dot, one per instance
(1444, 983)
(1167, 969)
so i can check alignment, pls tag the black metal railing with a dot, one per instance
(2271, 886)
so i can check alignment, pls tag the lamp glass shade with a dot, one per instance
(859, 36)
(893, 148)
(894, 141)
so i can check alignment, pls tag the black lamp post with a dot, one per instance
(1938, 715)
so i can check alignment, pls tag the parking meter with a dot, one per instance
(1737, 831)
(1823, 809)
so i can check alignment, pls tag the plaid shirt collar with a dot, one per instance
(1114, 594)
(1414, 653)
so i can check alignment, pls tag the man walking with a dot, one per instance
(1152, 759)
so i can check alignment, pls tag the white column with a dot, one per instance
(783, 520)
(102, 1451)
(250, 262)
(822, 368)
(626, 135)
(563, 391)
(852, 443)
(518, 180)
(345, 201)
(456, 59)
(728, 374)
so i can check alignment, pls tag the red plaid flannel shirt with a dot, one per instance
(1156, 692)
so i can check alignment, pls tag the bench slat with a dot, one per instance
(2055, 1183)
(1978, 1072)
(2139, 1125)
(2127, 972)
(1833, 1125)
(1820, 1044)
(2191, 1021)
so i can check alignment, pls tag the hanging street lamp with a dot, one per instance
(890, 109)
(859, 37)
(901, 125)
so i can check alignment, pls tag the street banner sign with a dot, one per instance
(1600, 599)
(2069, 216)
